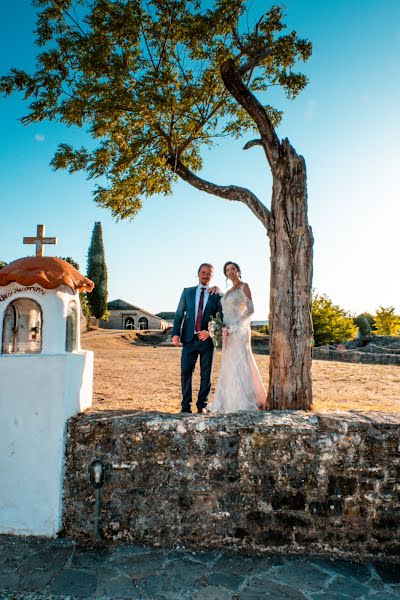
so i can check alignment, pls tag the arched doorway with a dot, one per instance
(22, 327)
(129, 323)
(143, 323)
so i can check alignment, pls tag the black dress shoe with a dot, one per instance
(186, 412)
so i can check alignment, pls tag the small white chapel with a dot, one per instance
(45, 378)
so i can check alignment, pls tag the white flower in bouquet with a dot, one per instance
(215, 327)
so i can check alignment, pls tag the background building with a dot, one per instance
(123, 315)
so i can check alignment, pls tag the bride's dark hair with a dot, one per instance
(230, 262)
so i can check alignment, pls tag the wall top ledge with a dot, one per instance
(250, 421)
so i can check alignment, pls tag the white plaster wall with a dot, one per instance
(38, 393)
(54, 304)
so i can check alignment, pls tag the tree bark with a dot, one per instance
(291, 242)
(290, 324)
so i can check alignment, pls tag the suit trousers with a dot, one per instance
(190, 352)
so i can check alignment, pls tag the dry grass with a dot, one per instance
(138, 377)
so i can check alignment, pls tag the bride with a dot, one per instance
(239, 385)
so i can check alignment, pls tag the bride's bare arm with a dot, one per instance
(249, 302)
(247, 291)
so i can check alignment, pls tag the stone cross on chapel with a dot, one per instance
(40, 240)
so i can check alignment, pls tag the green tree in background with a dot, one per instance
(331, 323)
(365, 323)
(97, 272)
(82, 295)
(2, 264)
(71, 261)
(387, 322)
(156, 82)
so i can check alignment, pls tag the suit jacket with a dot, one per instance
(185, 316)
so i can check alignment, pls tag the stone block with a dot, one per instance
(341, 486)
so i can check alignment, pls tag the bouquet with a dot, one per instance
(215, 329)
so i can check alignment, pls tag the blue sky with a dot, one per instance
(346, 124)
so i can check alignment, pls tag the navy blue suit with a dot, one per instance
(184, 326)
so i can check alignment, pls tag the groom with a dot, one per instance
(196, 307)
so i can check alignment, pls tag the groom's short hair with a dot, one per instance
(205, 265)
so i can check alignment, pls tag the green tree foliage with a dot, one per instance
(387, 322)
(71, 261)
(365, 323)
(2, 264)
(82, 295)
(331, 323)
(97, 272)
(263, 329)
(144, 78)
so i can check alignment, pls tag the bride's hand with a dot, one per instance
(225, 333)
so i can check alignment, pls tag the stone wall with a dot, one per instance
(274, 481)
(354, 356)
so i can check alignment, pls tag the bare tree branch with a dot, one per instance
(252, 143)
(231, 77)
(228, 192)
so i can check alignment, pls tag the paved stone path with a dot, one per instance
(38, 569)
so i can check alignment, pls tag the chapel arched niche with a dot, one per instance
(22, 327)
(71, 335)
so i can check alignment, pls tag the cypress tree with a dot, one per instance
(97, 272)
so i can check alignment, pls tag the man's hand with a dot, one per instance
(203, 335)
(214, 290)
(176, 340)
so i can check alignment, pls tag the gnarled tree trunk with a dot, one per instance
(290, 324)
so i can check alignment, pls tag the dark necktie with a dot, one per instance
(200, 311)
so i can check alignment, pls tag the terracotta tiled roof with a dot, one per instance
(48, 271)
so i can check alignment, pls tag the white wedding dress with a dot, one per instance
(239, 385)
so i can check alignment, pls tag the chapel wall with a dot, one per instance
(270, 482)
(53, 304)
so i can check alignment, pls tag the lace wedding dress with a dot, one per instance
(239, 385)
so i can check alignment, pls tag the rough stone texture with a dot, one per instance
(375, 349)
(32, 569)
(274, 481)
(356, 356)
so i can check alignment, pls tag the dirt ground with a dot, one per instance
(144, 377)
